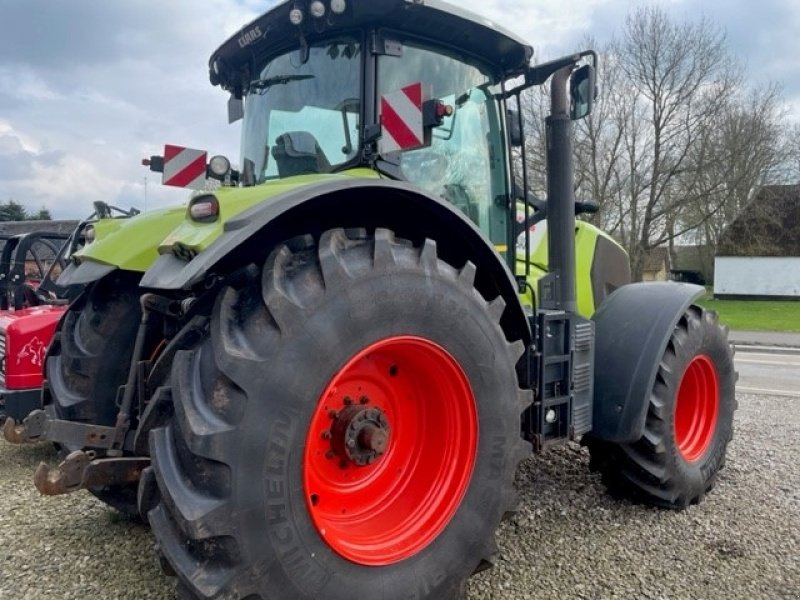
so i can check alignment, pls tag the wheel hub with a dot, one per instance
(697, 408)
(359, 434)
(390, 450)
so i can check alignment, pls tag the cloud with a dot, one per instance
(97, 86)
(89, 88)
(551, 27)
(14, 141)
(60, 36)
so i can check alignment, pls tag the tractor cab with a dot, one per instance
(414, 91)
(307, 116)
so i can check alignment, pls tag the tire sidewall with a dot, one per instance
(279, 537)
(704, 339)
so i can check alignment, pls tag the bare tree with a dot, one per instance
(790, 170)
(681, 76)
(676, 146)
(744, 150)
(600, 140)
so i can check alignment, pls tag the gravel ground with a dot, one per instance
(569, 539)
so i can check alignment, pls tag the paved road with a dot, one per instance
(773, 373)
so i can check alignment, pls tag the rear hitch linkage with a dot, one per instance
(80, 470)
(83, 469)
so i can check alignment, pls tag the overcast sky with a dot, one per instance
(90, 87)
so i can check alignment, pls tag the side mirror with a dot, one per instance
(582, 91)
(235, 109)
(514, 129)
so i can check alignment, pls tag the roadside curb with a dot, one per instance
(745, 347)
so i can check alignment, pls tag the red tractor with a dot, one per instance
(29, 313)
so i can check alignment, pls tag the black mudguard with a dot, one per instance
(84, 273)
(349, 202)
(633, 327)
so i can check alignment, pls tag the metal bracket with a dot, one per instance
(37, 426)
(384, 46)
(80, 470)
(29, 431)
(68, 477)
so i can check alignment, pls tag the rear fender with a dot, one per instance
(633, 327)
(347, 202)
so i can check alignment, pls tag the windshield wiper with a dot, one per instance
(264, 84)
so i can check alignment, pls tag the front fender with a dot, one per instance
(345, 202)
(633, 327)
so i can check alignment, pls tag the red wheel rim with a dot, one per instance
(697, 408)
(390, 451)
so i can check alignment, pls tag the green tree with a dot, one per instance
(42, 215)
(12, 211)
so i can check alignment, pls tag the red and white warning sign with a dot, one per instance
(184, 167)
(401, 119)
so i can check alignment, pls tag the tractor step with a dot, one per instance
(560, 368)
(80, 470)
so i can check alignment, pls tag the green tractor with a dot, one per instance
(317, 380)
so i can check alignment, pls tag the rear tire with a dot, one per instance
(258, 499)
(689, 421)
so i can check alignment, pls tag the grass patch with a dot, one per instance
(757, 315)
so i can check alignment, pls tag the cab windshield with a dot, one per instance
(302, 112)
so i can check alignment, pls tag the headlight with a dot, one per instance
(317, 9)
(89, 234)
(219, 167)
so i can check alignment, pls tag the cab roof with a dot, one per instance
(272, 33)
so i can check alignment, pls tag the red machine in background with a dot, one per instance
(24, 337)
(30, 307)
(31, 304)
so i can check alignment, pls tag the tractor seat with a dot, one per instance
(298, 153)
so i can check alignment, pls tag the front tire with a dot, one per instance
(89, 360)
(350, 428)
(91, 352)
(688, 425)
